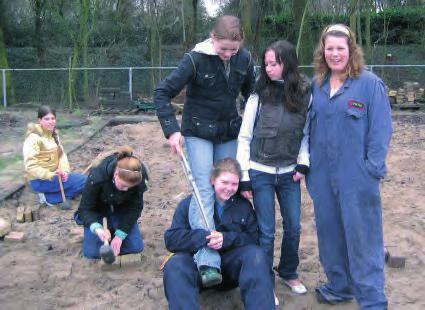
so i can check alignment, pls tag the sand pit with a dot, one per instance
(47, 270)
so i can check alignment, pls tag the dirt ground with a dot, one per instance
(47, 271)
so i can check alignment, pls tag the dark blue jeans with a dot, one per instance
(265, 186)
(244, 267)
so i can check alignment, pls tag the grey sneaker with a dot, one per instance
(210, 276)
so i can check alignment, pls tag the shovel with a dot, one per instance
(65, 203)
(105, 251)
(196, 194)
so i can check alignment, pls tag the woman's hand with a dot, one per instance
(176, 142)
(62, 174)
(298, 176)
(116, 245)
(216, 240)
(247, 194)
(103, 234)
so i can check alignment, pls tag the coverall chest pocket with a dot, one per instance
(355, 126)
(354, 118)
(205, 79)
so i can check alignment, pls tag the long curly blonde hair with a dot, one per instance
(356, 61)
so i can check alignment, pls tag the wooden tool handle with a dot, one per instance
(105, 228)
(62, 191)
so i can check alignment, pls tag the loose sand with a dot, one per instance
(47, 271)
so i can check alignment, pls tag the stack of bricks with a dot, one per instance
(27, 214)
(7, 234)
(400, 96)
(420, 94)
(410, 92)
(123, 261)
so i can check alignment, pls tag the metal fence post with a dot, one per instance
(3, 74)
(130, 82)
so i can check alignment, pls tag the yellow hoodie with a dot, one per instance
(41, 154)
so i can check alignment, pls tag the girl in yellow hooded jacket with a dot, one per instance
(45, 161)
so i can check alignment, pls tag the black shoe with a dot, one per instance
(210, 276)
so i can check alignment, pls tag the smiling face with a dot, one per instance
(337, 53)
(48, 122)
(274, 69)
(225, 185)
(225, 48)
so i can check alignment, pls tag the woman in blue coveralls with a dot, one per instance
(274, 155)
(350, 132)
(114, 190)
(243, 262)
(214, 73)
(46, 161)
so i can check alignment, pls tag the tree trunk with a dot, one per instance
(302, 34)
(246, 18)
(84, 34)
(38, 12)
(359, 29)
(195, 21)
(154, 43)
(368, 43)
(259, 20)
(10, 91)
(79, 55)
(353, 11)
(183, 23)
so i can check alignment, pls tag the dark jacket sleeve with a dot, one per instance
(180, 237)
(168, 89)
(249, 235)
(131, 212)
(87, 211)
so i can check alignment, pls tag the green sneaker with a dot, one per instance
(210, 276)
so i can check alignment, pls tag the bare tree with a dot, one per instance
(3, 60)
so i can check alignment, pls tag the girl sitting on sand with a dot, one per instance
(45, 161)
(243, 262)
(114, 190)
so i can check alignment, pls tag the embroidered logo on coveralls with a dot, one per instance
(356, 104)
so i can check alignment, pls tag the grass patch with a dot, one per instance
(8, 160)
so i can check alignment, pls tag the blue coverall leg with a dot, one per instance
(331, 241)
(244, 267)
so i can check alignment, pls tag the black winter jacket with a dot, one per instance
(100, 197)
(238, 225)
(210, 106)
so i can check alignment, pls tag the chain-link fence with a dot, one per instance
(125, 86)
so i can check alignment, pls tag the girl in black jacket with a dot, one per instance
(114, 190)
(214, 73)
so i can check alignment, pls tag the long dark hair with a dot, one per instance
(42, 112)
(290, 93)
